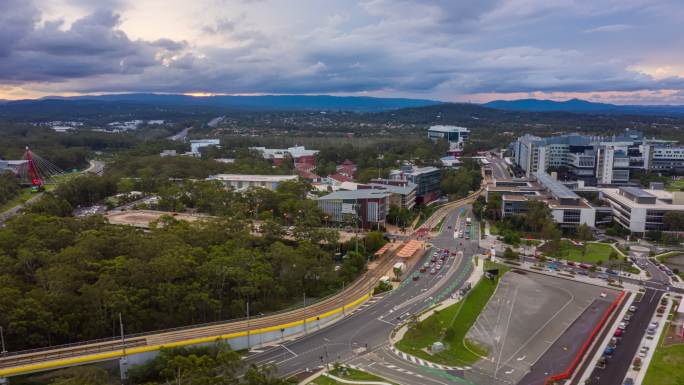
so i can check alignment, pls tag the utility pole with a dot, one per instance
(123, 362)
(2, 340)
(123, 337)
(248, 342)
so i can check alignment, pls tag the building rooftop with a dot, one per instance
(253, 178)
(403, 190)
(556, 188)
(663, 199)
(441, 128)
(358, 194)
(637, 192)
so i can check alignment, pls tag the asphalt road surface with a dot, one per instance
(368, 328)
(499, 168)
(618, 365)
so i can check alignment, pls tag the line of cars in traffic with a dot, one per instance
(437, 260)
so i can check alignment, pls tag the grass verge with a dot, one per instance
(450, 326)
(667, 365)
(348, 374)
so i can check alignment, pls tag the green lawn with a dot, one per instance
(349, 374)
(450, 326)
(595, 252)
(675, 185)
(667, 366)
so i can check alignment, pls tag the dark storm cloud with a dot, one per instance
(422, 47)
(90, 46)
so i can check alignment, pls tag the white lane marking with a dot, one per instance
(288, 349)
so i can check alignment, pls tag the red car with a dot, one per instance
(618, 333)
(571, 263)
(422, 270)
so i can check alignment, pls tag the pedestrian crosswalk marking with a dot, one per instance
(421, 362)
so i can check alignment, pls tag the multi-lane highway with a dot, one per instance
(366, 332)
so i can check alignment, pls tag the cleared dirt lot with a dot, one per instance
(142, 218)
(525, 317)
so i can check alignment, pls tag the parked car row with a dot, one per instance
(617, 337)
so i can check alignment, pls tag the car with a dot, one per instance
(601, 364)
(433, 259)
(627, 317)
(438, 267)
(433, 271)
(582, 272)
(415, 277)
(611, 272)
(613, 342)
(643, 351)
(584, 266)
(633, 309)
(570, 263)
(653, 325)
(618, 333)
(423, 269)
(628, 381)
(622, 325)
(603, 276)
(609, 351)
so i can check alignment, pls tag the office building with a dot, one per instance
(640, 210)
(595, 159)
(197, 145)
(364, 208)
(299, 154)
(403, 192)
(427, 179)
(567, 208)
(456, 136)
(243, 182)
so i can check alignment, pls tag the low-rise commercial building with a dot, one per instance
(243, 182)
(365, 208)
(640, 210)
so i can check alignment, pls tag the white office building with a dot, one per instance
(640, 210)
(243, 182)
(196, 145)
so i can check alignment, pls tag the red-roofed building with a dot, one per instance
(347, 168)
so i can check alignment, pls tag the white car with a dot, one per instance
(622, 326)
(643, 351)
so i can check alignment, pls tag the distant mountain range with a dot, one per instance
(583, 106)
(262, 102)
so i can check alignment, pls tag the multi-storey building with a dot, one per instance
(427, 179)
(243, 182)
(456, 136)
(640, 210)
(299, 154)
(597, 160)
(365, 208)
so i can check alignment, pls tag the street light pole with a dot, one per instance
(123, 337)
(2, 340)
(248, 338)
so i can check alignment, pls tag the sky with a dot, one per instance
(616, 51)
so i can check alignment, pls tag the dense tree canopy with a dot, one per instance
(66, 279)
